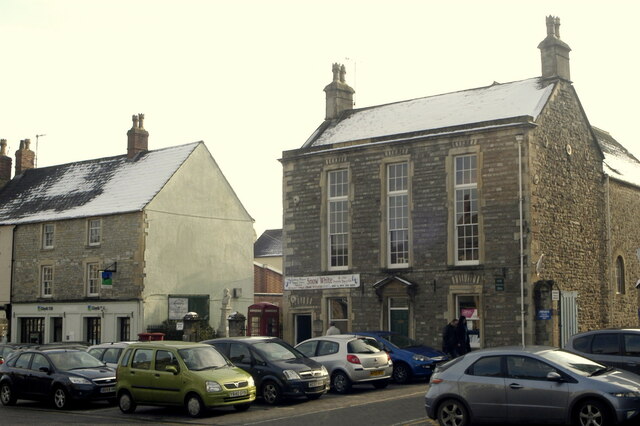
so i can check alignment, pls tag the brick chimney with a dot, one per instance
(5, 163)
(554, 52)
(25, 158)
(137, 137)
(339, 94)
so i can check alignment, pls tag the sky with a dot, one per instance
(247, 76)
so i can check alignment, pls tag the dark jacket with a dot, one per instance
(449, 340)
(463, 344)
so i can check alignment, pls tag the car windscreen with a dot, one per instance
(576, 363)
(363, 345)
(276, 351)
(202, 358)
(401, 341)
(74, 360)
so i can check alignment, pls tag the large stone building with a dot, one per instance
(104, 249)
(500, 203)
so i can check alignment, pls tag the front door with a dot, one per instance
(303, 327)
(399, 315)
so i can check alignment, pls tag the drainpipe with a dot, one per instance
(519, 138)
(610, 261)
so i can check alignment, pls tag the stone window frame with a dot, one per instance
(341, 323)
(91, 234)
(620, 275)
(47, 274)
(89, 279)
(384, 213)
(48, 236)
(337, 293)
(471, 148)
(324, 217)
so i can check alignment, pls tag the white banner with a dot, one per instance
(322, 281)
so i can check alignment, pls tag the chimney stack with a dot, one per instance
(339, 94)
(137, 137)
(554, 52)
(25, 158)
(5, 164)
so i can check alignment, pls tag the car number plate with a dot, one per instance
(108, 389)
(377, 373)
(316, 384)
(242, 392)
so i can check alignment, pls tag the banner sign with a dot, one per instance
(323, 281)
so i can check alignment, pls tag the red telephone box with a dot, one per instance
(264, 320)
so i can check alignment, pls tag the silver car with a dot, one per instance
(350, 360)
(535, 384)
(617, 347)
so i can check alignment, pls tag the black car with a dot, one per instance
(278, 369)
(58, 375)
(7, 349)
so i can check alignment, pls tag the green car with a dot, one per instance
(192, 375)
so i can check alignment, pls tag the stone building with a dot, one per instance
(500, 203)
(104, 249)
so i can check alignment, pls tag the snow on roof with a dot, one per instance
(618, 163)
(269, 244)
(495, 102)
(89, 188)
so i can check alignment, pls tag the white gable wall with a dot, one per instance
(199, 241)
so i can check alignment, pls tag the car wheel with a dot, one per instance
(126, 403)
(591, 413)
(452, 413)
(271, 392)
(242, 407)
(194, 405)
(341, 382)
(381, 384)
(401, 373)
(6, 394)
(60, 398)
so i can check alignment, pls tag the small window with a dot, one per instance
(632, 344)
(165, 359)
(339, 312)
(620, 287)
(327, 348)
(46, 280)
(142, 359)
(522, 367)
(92, 279)
(93, 330)
(124, 324)
(39, 361)
(47, 235)
(23, 361)
(94, 232)
(605, 344)
(308, 348)
(582, 344)
(490, 366)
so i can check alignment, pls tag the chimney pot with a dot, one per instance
(554, 52)
(5, 164)
(137, 137)
(25, 158)
(339, 95)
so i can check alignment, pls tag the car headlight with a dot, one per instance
(79, 380)
(421, 358)
(324, 371)
(291, 375)
(251, 381)
(629, 394)
(212, 386)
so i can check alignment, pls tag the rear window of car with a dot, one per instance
(605, 344)
(632, 344)
(582, 344)
(363, 345)
(490, 366)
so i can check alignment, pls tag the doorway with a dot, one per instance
(468, 306)
(303, 327)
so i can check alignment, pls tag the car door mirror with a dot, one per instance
(171, 369)
(44, 370)
(553, 376)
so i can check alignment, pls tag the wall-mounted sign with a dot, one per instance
(178, 307)
(544, 314)
(555, 294)
(499, 284)
(322, 281)
(45, 308)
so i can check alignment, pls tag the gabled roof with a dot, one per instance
(269, 244)
(97, 187)
(618, 163)
(524, 98)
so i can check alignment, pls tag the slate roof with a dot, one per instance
(97, 187)
(524, 98)
(618, 162)
(269, 244)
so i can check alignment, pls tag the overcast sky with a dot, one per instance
(246, 77)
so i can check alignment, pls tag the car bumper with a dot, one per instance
(300, 388)
(367, 375)
(92, 393)
(422, 369)
(628, 409)
(239, 396)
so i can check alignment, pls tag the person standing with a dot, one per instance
(333, 329)
(449, 341)
(463, 344)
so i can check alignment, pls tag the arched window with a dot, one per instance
(620, 275)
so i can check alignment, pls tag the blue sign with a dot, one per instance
(544, 314)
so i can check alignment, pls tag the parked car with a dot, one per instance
(410, 358)
(109, 353)
(537, 384)
(174, 373)
(7, 349)
(615, 347)
(279, 370)
(350, 359)
(60, 376)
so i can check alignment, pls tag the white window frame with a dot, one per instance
(398, 189)
(94, 232)
(46, 280)
(341, 322)
(48, 235)
(338, 219)
(465, 181)
(93, 279)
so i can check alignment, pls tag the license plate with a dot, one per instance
(242, 392)
(108, 389)
(316, 384)
(377, 373)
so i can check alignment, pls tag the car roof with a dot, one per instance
(340, 337)
(501, 350)
(176, 344)
(608, 330)
(113, 344)
(246, 339)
